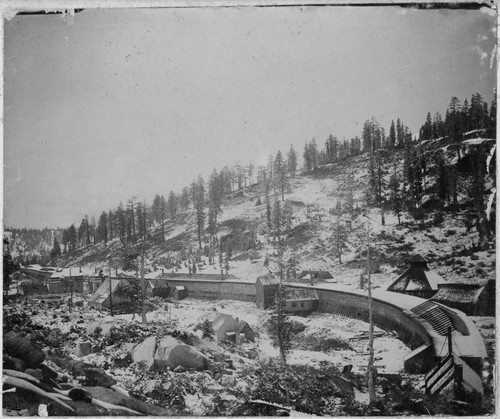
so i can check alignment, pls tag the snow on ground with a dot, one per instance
(181, 228)
(389, 351)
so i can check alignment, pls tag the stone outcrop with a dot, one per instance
(172, 353)
(23, 349)
(145, 352)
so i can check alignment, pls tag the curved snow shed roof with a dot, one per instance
(392, 312)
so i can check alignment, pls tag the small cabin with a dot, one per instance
(29, 287)
(157, 288)
(65, 286)
(100, 299)
(229, 328)
(472, 299)
(179, 292)
(300, 301)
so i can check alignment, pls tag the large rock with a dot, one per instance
(145, 352)
(83, 349)
(128, 346)
(172, 353)
(94, 376)
(23, 349)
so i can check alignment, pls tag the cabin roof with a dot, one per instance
(417, 278)
(224, 319)
(102, 293)
(267, 280)
(458, 293)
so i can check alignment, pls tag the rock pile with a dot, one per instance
(32, 382)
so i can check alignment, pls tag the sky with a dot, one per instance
(108, 104)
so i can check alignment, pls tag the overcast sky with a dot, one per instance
(110, 104)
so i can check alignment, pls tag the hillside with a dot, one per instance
(450, 240)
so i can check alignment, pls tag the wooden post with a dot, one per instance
(371, 386)
(143, 287)
(110, 294)
(450, 343)
(70, 291)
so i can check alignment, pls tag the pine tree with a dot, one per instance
(200, 221)
(292, 161)
(140, 220)
(453, 121)
(72, 238)
(371, 190)
(380, 187)
(292, 268)
(111, 225)
(184, 199)
(281, 175)
(340, 239)
(251, 172)
(392, 135)
(215, 194)
(102, 228)
(277, 218)
(396, 197)
(56, 248)
(131, 219)
(267, 192)
(307, 158)
(438, 130)
(122, 223)
(349, 187)
(65, 240)
(159, 211)
(313, 149)
(426, 130)
(399, 134)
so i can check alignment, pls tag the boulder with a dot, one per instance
(128, 346)
(82, 349)
(94, 376)
(24, 349)
(12, 363)
(171, 353)
(145, 352)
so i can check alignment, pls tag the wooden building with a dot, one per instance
(418, 280)
(157, 288)
(179, 292)
(100, 299)
(265, 289)
(472, 299)
(227, 327)
(300, 301)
